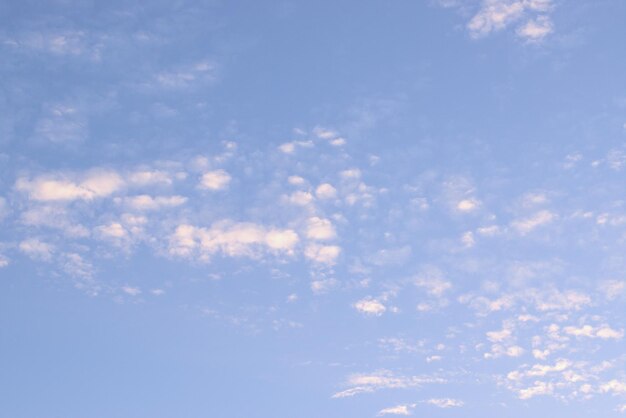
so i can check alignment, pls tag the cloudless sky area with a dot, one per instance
(305, 209)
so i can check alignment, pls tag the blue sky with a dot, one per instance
(306, 209)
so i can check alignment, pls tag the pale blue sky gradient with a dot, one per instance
(313, 209)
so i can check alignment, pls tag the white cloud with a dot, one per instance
(338, 142)
(287, 147)
(53, 216)
(613, 289)
(4, 261)
(468, 205)
(300, 198)
(489, 231)
(323, 254)
(607, 332)
(283, 240)
(536, 29)
(290, 147)
(499, 336)
(323, 133)
(325, 191)
(75, 265)
(113, 230)
(296, 180)
(353, 173)
(432, 280)
(467, 239)
(231, 239)
(95, 184)
(323, 285)
(215, 180)
(382, 379)
(150, 177)
(397, 410)
(539, 388)
(145, 202)
(541, 218)
(320, 229)
(370, 306)
(445, 403)
(36, 249)
(495, 15)
(613, 386)
(132, 291)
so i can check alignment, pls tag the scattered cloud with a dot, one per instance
(370, 306)
(215, 180)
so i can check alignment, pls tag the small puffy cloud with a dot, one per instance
(467, 239)
(230, 239)
(515, 351)
(445, 402)
(535, 29)
(495, 15)
(613, 386)
(132, 291)
(36, 249)
(323, 254)
(370, 306)
(291, 147)
(145, 202)
(322, 286)
(296, 180)
(538, 389)
(320, 229)
(353, 173)
(300, 198)
(338, 142)
(4, 261)
(325, 191)
(432, 280)
(150, 177)
(323, 133)
(499, 336)
(75, 265)
(287, 147)
(93, 185)
(113, 230)
(609, 333)
(397, 410)
(541, 218)
(468, 205)
(613, 289)
(215, 180)
(552, 299)
(488, 231)
(382, 379)
(282, 240)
